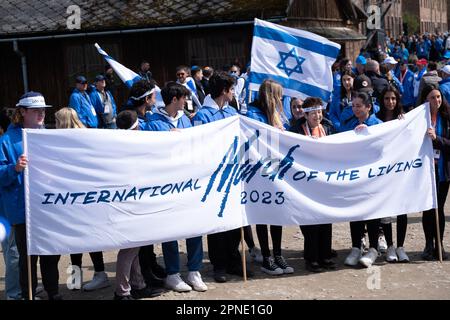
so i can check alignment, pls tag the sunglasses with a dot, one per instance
(181, 74)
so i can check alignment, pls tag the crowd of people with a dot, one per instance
(380, 88)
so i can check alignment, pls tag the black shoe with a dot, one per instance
(428, 253)
(281, 262)
(333, 253)
(328, 264)
(147, 292)
(436, 254)
(237, 270)
(154, 281)
(117, 297)
(55, 297)
(313, 266)
(220, 276)
(158, 271)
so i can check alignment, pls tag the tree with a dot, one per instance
(411, 22)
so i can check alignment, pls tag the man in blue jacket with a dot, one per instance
(81, 103)
(29, 114)
(104, 104)
(170, 118)
(223, 246)
(406, 77)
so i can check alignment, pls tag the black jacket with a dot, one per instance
(379, 84)
(326, 124)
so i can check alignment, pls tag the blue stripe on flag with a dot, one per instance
(129, 83)
(304, 43)
(307, 89)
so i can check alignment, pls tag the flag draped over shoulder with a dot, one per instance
(128, 76)
(299, 60)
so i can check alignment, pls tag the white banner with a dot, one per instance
(96, 190)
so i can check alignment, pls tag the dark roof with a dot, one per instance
(29, 17)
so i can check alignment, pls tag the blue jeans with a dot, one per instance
(11, 256)
(172, 255)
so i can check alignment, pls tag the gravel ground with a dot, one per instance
(415, 280)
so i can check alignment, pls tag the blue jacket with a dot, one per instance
(82, 104)
(408, 88)
(11, 182)
(256, 114)
(160, 122)
(347, 114)
(337, 106)
(444, 85)
(210, 112)
(353, 122)
(99, 108)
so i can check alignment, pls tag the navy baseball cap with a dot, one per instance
(99, 77)
(32, 100)
(81, 79)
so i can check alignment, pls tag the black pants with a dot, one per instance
(357, 232)
(317, 242)
(147, 259)
(248, 236)
(96, 257)
(402, 225)
(429, 219)
(223, 249)
(49, 267)
(263, 238)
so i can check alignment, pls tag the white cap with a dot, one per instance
(390, 60)
(32, 100)
(446, 69)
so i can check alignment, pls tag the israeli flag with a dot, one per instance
(300, 61)
(128, 76)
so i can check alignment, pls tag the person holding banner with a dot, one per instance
(9, 247)
(67, 118)
(30, 113)
(440, 134)
(390, 109)
(296, 110)
(172, 118)
(223, 246)
(362, 117)
(317, 245)
(267, 109)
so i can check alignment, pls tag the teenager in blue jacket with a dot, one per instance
(170, 118)
(30, 113)
(223, 246)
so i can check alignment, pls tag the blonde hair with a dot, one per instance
(270, 98)
(17, 117)
(67, 118)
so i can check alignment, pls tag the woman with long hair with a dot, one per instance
(392, 109)
(440, 134)
(268, 109)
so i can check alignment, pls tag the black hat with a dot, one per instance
(99, 77)
(81, 79)
(362, 83)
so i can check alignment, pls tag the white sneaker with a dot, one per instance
(382, 244)
(175, 283)
(402, 256)
(369, 258)
(99, 281)
(391, 256)
(194, 279)
(353, 258)
(255, 254)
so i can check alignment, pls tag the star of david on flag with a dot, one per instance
(284, 60)
(298, 60)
